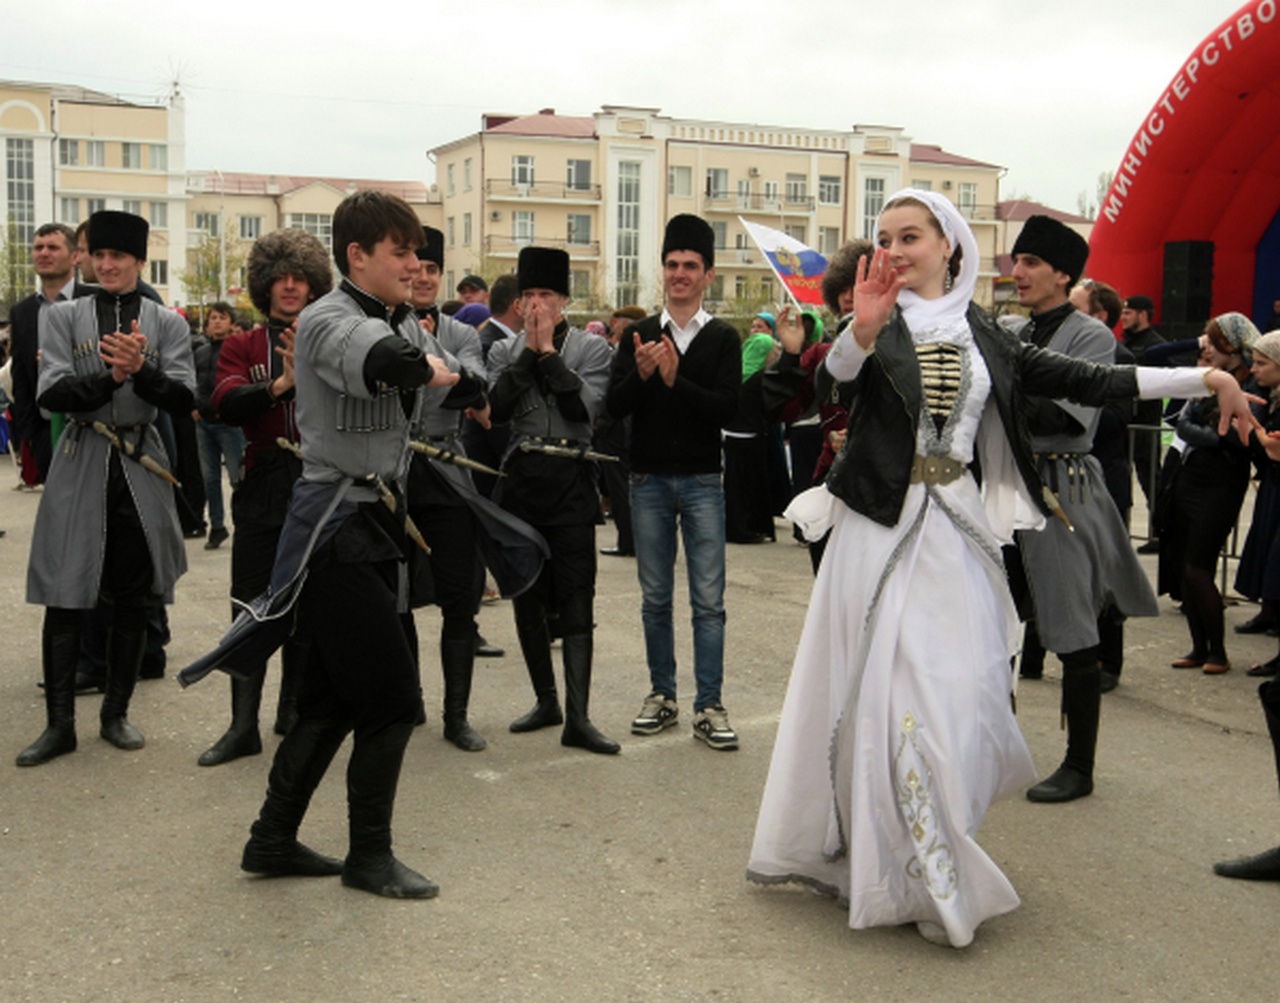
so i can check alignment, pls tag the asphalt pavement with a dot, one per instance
(567, 876)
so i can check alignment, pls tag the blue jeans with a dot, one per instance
(697, 501)
(219, 444)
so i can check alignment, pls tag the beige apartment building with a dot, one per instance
(603, 186)
(70, 151)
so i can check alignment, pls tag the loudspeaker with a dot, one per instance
(1188, 281)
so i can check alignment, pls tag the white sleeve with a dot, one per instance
(845, 359)
(1184, 381)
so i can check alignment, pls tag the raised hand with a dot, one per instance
(874, 296)
(790, 331)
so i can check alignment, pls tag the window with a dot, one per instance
(771, 194)
(721, 229)
(94, 205)
(522, 171)
(741, 287)
(20, 178)
(466, 229)
(159, 273)
(579, 228)
(250, 227)
(132, 206)
(451, 174)
(69, 152)
(717, 183)
(131, 156)
(766, 288)
(924, 186)
(207, 222)
(627, 256)
(318, 224)
(579, 176)
(522, 227)
(872, 203)
(680, 182)
(828, 240)
(744, 194)
(580, 284)
(797, 231)
(95, 153)
(158, 157)
(448, 232)
(797, 188)
(829, 189)
(968, 201)
(466, 174)
(69, 211)
(715, 291)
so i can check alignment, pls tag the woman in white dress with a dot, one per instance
(897, 732)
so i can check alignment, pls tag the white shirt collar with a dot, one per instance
(683, 336)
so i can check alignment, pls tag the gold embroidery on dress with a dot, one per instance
(932, 861)
(940, 373)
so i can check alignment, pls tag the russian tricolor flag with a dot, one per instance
(798, 267)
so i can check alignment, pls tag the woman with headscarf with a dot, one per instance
(748, 504)
(1258, 576)
(897, 732)
(1201, 498)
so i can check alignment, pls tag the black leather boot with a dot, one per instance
(60, 653)
(126, 642)
(273, 849)
(293, 656)
(243, 737)
(372, 777)
(579, 732)
(535, 644)
(1081, 706)
(457, 660)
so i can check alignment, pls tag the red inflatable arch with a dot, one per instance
(1204, 166)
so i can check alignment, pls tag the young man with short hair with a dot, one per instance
(678, 377)
(358, 360)
(221, 445)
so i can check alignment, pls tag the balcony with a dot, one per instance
(773, 205)
(502, 246)
(540, 191)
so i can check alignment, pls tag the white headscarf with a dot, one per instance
(921, 313)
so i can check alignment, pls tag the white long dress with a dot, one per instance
(897, 732)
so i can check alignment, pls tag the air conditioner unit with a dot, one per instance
(753, 172)
(495, 215)
(946, 186)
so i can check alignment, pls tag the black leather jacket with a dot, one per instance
(872, 472)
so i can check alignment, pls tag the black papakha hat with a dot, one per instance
(543, 268)
(111, 230)
(433, 248)
(687, 232)
(1054, 242)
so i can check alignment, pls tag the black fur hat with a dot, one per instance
(1054, 242)
(543, 268)
(111, 230)
(687, 232)
(287, 252)
(842, 272)
(433, 249)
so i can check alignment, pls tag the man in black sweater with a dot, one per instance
(678, 375)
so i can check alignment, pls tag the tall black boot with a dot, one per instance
(1110, 648)
(243, 737)
(535, 644)
(1269, 694)
(410, 627)
(126, 642)
(372, 777)
(1081, 706)
(60, 654)
(579, 732)
(1031, 665)
(293, 656)
(457, 660)
(300, 763)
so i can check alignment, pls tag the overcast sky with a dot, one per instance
(1051, 91)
